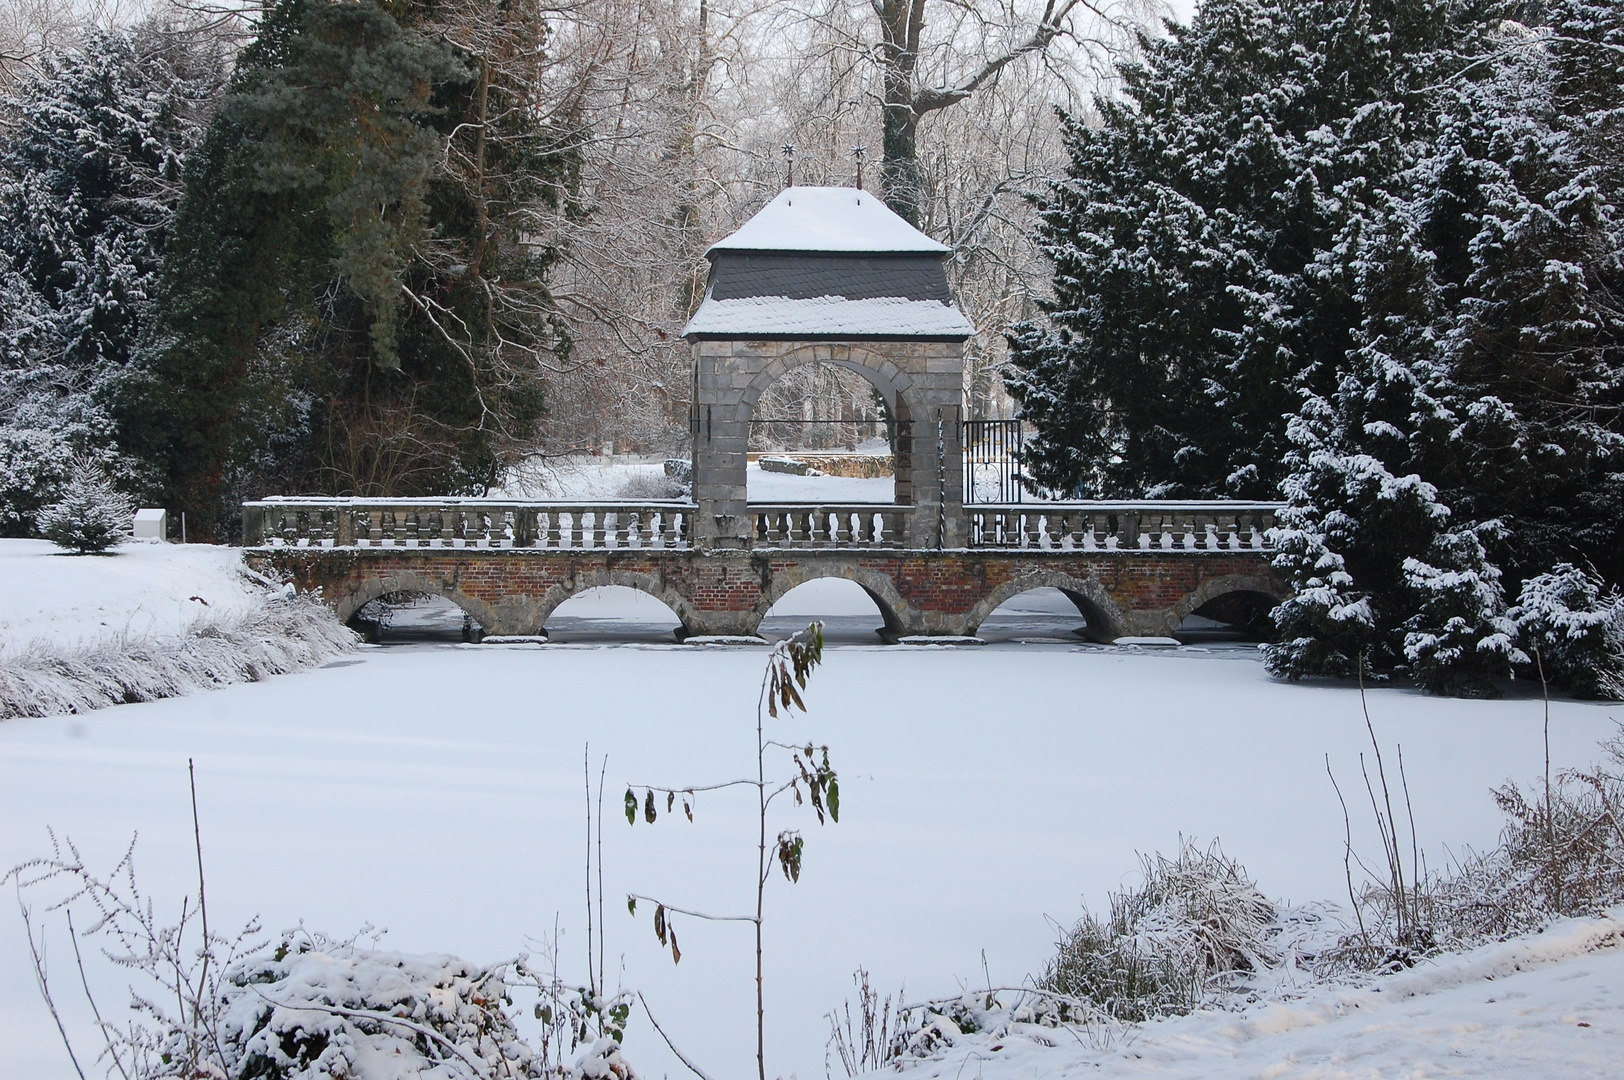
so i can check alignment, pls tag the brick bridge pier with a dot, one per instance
(1132, 569)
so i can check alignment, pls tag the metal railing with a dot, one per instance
(1148, 525)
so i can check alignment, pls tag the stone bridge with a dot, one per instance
(1132, 569)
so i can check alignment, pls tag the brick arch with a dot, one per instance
(1211, 589)
(1105, 617)
(369, 589)
(884, 374)
(649, 584)
(880, 588)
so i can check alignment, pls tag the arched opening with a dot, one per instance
(1238, 616)
(851, 614)
(827, 430)
(413, 617)
(1046, 614)
(612, 613)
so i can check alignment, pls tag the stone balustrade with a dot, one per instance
(1148, 525)
(467, 523)
(855, 525)
(668, 525)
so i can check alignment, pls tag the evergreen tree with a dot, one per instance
(1189, 238)
(91, 516)
(338, 298)
(1516, 430)
(89, 180)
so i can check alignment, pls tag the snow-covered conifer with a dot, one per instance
(90, 153)
(1572, 627)
(92, 514)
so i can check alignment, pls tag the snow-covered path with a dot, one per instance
(436, 790)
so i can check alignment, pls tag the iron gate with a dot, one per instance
(992, 461)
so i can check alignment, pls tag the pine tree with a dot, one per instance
(91, 516)
(1190, 299)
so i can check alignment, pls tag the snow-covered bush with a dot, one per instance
(1572, 626)
(1459, 640)
(91, 516)
(1197, 919)
(283, 635)
(315, 1007)
(309, 1006)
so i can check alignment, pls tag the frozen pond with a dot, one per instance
(435, 788)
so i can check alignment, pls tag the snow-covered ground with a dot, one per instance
(139, 589)
(1551, 1005)
(435, 789)
(587, 477)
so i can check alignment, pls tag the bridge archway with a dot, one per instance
(612, 613)
(879, 588)
(1103, 618)
(582, 582)
(407, 581)
(1239, 600)
(887, 378)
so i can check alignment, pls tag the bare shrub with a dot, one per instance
(652, 486)
(1196, 920)
(1560, 854)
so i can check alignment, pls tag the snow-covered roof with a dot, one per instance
(833, 219)
(827, 316)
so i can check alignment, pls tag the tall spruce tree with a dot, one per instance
(1405, 313)
(351, 305)
(1514, 431)
(1189, 237)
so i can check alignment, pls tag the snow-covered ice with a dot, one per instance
(435, 789)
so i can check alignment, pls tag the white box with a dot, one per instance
(152, 524)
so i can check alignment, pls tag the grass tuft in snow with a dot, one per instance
(1560, 855)
(284, 634)
(1196, 920)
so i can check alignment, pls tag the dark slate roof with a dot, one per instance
(828, 263)
(804, 276)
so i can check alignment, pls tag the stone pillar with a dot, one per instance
(721, 432)
(923, 380)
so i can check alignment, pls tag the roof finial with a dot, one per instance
(789, 161)
(858, 151)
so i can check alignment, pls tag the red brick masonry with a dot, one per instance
(512, 591)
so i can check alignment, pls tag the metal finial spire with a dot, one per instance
(858, 151)
(789, 159)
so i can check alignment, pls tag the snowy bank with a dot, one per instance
(151, 621)
(1543, 1005)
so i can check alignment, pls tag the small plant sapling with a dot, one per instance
(811, 778)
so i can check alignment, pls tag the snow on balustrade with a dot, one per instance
(466, 523)
(1149, 525)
